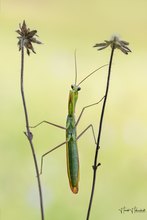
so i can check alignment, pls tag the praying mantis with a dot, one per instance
(72, 157)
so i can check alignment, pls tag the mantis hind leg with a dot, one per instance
(55, 125)
(80, 135)
(42, 157)
(89, 126)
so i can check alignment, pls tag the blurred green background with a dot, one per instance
(63, 26)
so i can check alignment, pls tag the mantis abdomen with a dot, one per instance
(72, 154)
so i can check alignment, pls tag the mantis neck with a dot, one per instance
(73, 96)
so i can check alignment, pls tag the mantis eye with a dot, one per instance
(72, 86)
(79, 88)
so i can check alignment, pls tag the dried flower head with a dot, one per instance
(115, 42)
(26, 38)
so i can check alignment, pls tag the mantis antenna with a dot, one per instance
(76, 72)
(75, 67)
(91, 74)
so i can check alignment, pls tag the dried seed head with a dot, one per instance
(26, 38)
(114, 42)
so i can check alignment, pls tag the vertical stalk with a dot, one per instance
(29, 134)
(96, 164)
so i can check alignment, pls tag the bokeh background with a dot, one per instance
(63, 26)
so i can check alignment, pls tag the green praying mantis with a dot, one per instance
(71, 132)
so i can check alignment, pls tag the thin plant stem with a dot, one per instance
(96, 164)
(29, 134)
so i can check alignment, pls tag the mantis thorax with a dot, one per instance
(73, 96)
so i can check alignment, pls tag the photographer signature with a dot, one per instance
(132, 210)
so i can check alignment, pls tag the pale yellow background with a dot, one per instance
(63, 26)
